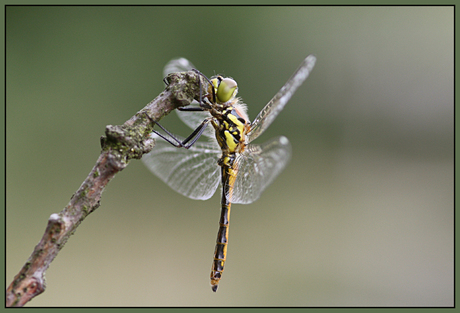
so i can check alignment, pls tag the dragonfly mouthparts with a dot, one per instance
(214, 288)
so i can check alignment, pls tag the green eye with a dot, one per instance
(227, 90)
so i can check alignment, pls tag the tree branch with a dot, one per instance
(120, 144)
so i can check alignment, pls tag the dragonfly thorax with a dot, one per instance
(243, 169)
(231, 129)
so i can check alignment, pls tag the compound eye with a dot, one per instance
(227, 90)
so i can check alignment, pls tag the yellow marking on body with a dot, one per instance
(231, 172)
(235, 120)
(225, 246)
(229, 140)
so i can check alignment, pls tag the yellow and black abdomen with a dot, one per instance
(220, 252)
(230, 133)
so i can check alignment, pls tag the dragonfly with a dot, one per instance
(228, 157)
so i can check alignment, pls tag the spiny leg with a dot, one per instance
(214, 99)
(196, 134)
(191, 139)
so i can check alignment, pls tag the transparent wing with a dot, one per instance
(277, 103)
(191, 119)
(258, 166)
(177, 65)
(193, 173)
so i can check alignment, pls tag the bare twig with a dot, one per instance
(120, 144)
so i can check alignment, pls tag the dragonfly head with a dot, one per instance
(225, 89)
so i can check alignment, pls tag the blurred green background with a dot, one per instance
(362, 215)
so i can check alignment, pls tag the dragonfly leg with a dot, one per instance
(176, 143)
(191, 109)
(189, 141)
(196, 134)
(213, 91)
